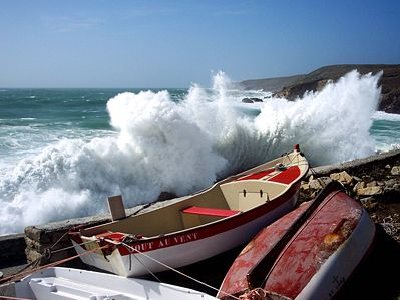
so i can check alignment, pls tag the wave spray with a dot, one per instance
(160, 144)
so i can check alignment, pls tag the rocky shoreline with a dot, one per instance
(374, 181)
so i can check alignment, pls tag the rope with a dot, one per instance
(321, 182)
(176, 271)
(69, 247)
(20, 275)
(12, 298)
(255, 294)
(144, 265)
(65, 233)
(47, 254)
(28, 265)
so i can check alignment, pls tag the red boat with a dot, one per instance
(307, 254)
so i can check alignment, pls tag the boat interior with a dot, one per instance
(225, 199)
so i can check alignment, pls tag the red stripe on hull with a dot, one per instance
(190, 235)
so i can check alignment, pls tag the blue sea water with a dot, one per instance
(64, 151)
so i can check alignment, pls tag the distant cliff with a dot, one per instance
(292, 87)
(270, 84)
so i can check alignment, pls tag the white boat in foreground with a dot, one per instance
(58, 283)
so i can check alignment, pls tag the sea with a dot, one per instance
(64, 151)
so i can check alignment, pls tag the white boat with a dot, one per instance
(58, 283)
(203, 225)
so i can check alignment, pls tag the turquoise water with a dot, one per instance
(386, 131)
(64, 151)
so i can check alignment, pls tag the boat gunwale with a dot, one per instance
(217, 226)
(239, 219)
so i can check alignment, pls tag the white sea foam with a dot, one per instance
(381, 115)
(180, 147)
(331, 125)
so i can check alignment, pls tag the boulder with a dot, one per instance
(251, 100)
(395, 170)
(370, 191)
(342, 177)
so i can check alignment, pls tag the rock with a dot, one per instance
(32, 255)
(319, 183)
(247, 100)
(370, 191)
(367, 178)
(395, 170)
(359, 185)
(305, 186)
(393, 190)
(372, 183)
(37, 234)
(390, 183)
(342, 177)
(369, 203)
(251, 100)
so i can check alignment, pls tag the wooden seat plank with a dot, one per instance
(207, 211)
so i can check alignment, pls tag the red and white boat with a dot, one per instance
(307, 254)
(218, 219)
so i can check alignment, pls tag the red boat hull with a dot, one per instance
(318, 258)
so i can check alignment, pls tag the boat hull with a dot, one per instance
(329, 279)
(138, 258)
(199, 226)
(330, 236)
(60, 283)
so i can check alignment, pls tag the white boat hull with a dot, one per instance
(66, 284)
(137, 264)
(200, 226)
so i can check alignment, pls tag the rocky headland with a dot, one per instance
(292, 87)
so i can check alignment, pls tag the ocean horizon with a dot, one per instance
(63, 151)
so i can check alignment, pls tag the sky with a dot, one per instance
(166, 43)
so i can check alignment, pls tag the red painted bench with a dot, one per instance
(206, 211)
